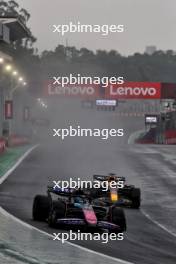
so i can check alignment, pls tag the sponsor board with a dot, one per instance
(134, 90)
(151, 119)
(127, 90)
(100, 102)
(91, 91)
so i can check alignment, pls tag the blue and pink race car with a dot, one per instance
(72, 208)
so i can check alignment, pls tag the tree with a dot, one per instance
(22, 50)
(3, 8)
(24, 15)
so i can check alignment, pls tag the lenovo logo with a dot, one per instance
(127, 90)
(134, 91)
(71, 90)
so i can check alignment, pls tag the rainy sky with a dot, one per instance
(146, 22)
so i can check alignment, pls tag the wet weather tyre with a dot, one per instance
(118, 218)
(41, 206)
(57, 211)
(95, 193)
(136, 198)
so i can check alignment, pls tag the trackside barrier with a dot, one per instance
(170, 137)
(148, 138)
(133, 114)
(16, 140)
(171, 141)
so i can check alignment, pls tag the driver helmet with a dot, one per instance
(78, 200)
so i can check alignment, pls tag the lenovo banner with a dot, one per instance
(134, 90)
(128, 90)
(86, 90)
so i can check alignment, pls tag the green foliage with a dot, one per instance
(12, 9)
(21, 50)
(159, 67)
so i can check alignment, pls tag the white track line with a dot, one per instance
(157, 223)
(10, 216)
(4, 177)
(135, 135)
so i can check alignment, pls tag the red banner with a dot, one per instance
(134, 90)
(9, 109)
(128, 90)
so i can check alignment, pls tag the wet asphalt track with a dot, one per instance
(151, 168)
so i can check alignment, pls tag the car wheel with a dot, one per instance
(41, 206)
(57, 211)
(136, 198)
(118, 218)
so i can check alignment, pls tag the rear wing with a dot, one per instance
(65, 191)
(108, 178)
(60, 191)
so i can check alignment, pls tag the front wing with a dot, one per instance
(81, 222)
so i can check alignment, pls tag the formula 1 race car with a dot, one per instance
(72, 208)
(118, 193)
